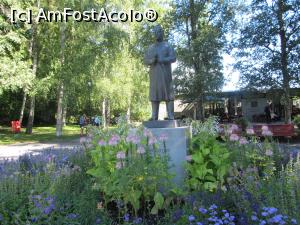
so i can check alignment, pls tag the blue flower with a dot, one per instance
(199, 223)
(272, 210)
(177, 214)
(191, 218)
(253, 218)
(126, 217)
(1, 217)
(34, 219)
(264, 213)
(137, 220)
(293, 221)
(72, 216)
(98, 220)
(203, 210)
(277, 219)
(262, 222)
(212, 207)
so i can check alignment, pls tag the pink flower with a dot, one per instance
(82, 140)
(250, 131)
(234, 127)
(119, 165)
(147, 133)
(269, 152)
(243, 141)
(188, 158)
(133, 138)
(163, 137)
(267, 133)
(121, 155)
(264, 127)
(152, 140)
(101, 143)
(114, 140)
(141, 150)
(234, 137)
(220, 130)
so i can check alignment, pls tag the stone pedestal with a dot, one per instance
(177, 145)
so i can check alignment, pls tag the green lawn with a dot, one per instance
(39, 134)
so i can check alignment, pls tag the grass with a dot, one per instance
(39, 134)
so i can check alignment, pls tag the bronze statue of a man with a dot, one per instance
(159, 57)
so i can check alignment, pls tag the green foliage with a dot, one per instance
(129, 168)
(210, 164)
(296, 120)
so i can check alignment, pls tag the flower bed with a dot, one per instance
(120, 177)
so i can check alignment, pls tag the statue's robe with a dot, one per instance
(159, 57)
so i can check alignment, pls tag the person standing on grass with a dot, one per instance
(97, 121)
(82, 123)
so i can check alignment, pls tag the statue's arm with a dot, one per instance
(149, 57)
(171, 58)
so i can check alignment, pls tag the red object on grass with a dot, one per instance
(15, 126)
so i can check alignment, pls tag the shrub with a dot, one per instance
(209, 165)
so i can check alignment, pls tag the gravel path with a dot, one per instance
(13, 151)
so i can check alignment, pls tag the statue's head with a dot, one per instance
(158, 33)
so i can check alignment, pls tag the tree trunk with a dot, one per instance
(128, 113)
(31, 115)
(200, 109)
(107, 112)
(65, 114)
(34, 55)
(104, 112)
(60, 99)
(59, 113)
(284, 63)
(23, 108)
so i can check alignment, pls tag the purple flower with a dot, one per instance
(199, 223)
(121, 155)
(1, 217)
(191, 218)
(101, 143)
(33, 219)
(269, 152)
(264, 213)
(203, 210)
